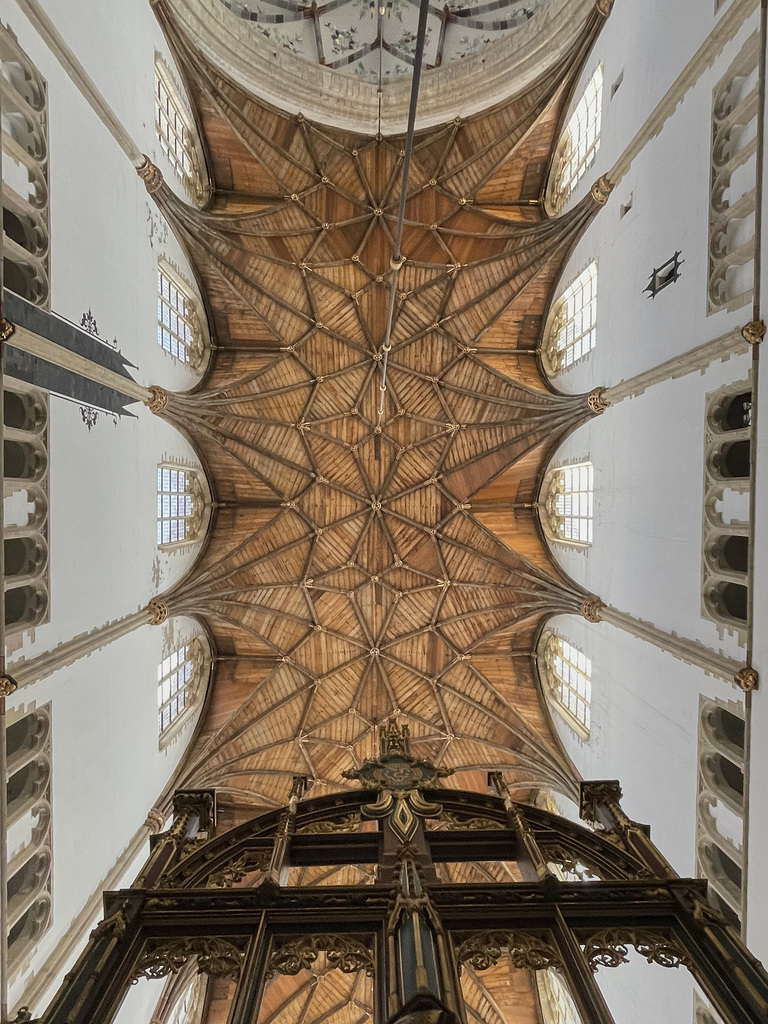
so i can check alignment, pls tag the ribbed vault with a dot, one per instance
(362, 568)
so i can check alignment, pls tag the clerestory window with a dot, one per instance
(177, 678)
(569, 504)
(178, 324)
(579, 142)
(179, 505)
(568, 675)
(573, 322)
(172, 125)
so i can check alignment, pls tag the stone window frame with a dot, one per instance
(175, 129)
(34, 908)
(31, 584)
(549, 651)
(709, 838)
(553, 516)
(191, 348)
(718, 440)
(559, 350)
(731, 246)
(25, 148)
(194, 493)
(578, 145)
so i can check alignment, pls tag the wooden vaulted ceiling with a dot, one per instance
(358, 570)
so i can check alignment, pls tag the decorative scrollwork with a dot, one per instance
(608, 948)
(569, 862)
(215, 956)
(349, 823)
(231, 874)
(484, 949)
(343, 951)
(461, 824)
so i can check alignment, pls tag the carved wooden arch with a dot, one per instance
(225, 860)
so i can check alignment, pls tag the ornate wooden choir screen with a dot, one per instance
(228, 902)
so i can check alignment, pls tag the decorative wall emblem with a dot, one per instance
(343, 951)
(665, 275)
(399, 779)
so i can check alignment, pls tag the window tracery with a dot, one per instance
(568, 505)
(567, 675)
(174, 128)
(578, 144)
(720, 807)
(29, 809)
(178, 679)
(25, 174)
(733, 182)
(572, 327)
(25, 538)
(180, 505)
(726, 555)
(179, 325)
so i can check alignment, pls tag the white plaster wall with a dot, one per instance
(669, 183)
(646, 555)
(104, 559)
(107, 767)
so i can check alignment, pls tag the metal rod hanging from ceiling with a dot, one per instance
(397, 260)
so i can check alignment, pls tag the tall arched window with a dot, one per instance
(179, 325)
(567, 673)
(568, 503)
(178, 677)
(579, 142)
(572, 329)
(180, 505)
(174, 127)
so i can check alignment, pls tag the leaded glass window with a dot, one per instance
(179, 505)
(569, 674)
(573, 327)
(172, 126)
(175, 676)
(176, 319)
(569, 504)
(580, 141)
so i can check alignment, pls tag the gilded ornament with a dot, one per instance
(215, 957)
(158, 399)
(591, 607)
(158, 611)
(604, 7)
(596, 402)
(609, 948)
(468, 823)
(346, 953)
(6, 330)
(8, 685)
(349, 823)
(482, 950)
(151, 176)
(601, 190)
(753, 332)
(231, 874)
(747, 678)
